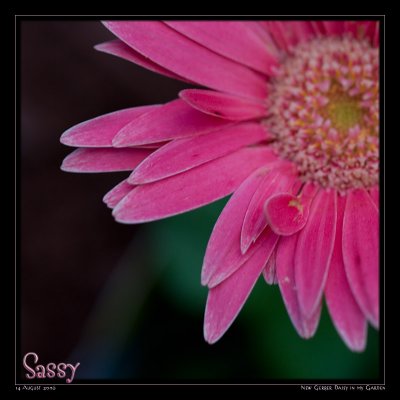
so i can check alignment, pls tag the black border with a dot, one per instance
(13, 24)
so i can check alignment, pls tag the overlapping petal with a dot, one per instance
(183, 154)
(347, 316)
(178, 52)
(223, 255)
(191, 189)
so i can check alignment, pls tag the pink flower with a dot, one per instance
(289, 125)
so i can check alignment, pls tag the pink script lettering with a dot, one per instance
(51, 370)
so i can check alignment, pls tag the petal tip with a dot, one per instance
(100, 47)
(63, 167)
(107, 24)
(69, 164)
(122, 214)
(215, 280)
(355, 341)
(204, 277)
(119, 141)
(108, 201)
(67, 138)
(307, 334)
(119, 214)
(135, 178)
(211, 336)
(357, 346)
(245, 243)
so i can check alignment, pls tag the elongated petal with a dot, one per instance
(374, 193)
(100, 131)
(173, 120)
(184, 154)
(117, 193)
(223, 255)
(334, 28)
(120, 49)
(225, 301)
(103, 160)
(344, 310)
(290, 33)
(179, 54)
(223, 105)
(319, 28)
(285, 272)
(362, 29)
(191, 189)
(314, 251)
(235, 40)
(361, 251)
(261, 29)
(279, 178)
(376, 38)
(269, 272)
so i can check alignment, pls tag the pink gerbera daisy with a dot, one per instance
(290, 125)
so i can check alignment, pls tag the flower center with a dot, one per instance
(324, 112)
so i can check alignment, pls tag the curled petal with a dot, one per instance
(287, 214)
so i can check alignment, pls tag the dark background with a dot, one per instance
(124, 300)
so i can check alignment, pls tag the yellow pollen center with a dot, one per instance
(343, 110)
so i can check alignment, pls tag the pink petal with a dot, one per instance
(361, 251)
(362, 29)
(314, 251)
(103, 160)
(302, 31)
(289, 33)
(223, 255)
(376, 40)
(191, 189)
(334, 28)
(319, 28)
(183, 154)
(285, 272)
(151, 145)
(117, 193)
(223, 105)
(100, 131)
(287, 214)
(344, 310)
(279, 178)
(182, 56)
(260, 28)
(225, 301)
(269, 271)
(374, 193)
(235, 40)
(370, 30)
(173, 120)
(120, 49)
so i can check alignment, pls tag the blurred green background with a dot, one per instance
(157, 335)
